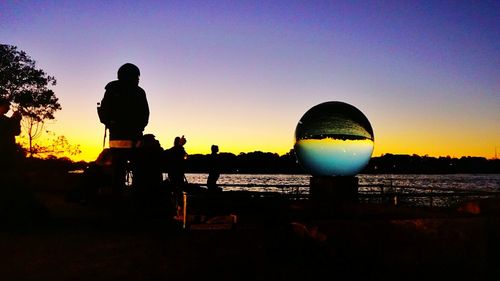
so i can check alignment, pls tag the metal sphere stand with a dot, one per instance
(329, 193)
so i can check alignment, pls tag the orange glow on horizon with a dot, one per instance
(276, 138)
(90, 148)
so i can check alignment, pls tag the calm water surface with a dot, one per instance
(486, 182)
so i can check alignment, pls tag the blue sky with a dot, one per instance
(241, 74)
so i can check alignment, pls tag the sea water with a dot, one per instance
(265, 182)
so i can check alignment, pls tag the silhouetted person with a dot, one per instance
(125, 112)
(175, 158)
(10, 127)
(18, 205)
(214, 169)
(148, 175)
(149, 158)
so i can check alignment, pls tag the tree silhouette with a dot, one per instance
(55, 146)
(26, 87)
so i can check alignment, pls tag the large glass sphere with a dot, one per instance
(333, 139)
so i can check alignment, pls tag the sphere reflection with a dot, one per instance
(333, 139)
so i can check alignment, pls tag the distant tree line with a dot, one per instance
(247, 163)
(415, 164)
(272, 163)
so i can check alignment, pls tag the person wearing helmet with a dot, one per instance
(124, 109)
(125, 112)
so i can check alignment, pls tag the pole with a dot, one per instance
(104, 140)
(184, 209)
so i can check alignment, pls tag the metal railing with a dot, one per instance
(428, 196)
(395, 194)
(382, 193)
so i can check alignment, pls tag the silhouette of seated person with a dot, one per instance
(125, 112)
(148, 174)
(214, 169)
(10, 127)
(95, 176)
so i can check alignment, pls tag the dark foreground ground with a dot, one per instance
(45, 237)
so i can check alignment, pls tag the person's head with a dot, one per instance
(4, 105)
(129, 73)
(149, 140)
(215, 148)
(177, 141)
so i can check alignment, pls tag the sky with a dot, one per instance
(241, 74)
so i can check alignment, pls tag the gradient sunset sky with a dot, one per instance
(241, 74)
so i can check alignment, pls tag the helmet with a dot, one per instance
(128, 71)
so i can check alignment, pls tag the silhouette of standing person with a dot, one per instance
(175, 158)
(176, 155)
(214, 169)
(10, 127)
(125, 112)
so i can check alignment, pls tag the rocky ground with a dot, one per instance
(46, 237)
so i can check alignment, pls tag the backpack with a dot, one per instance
(102, 116)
